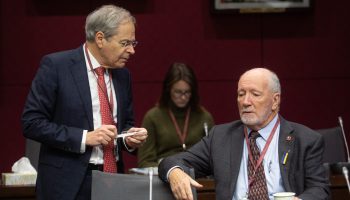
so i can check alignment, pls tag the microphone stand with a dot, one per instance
(150, 172)
(345, 141)
(346, 175)
(344, 168)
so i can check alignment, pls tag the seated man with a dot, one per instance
(257, 156)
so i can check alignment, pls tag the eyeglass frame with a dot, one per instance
(126, 43)
(179, 93)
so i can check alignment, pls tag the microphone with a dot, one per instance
(346, 175)
(345, 141)
(205, 125)
(150, 173)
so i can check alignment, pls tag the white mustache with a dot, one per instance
(247, 110)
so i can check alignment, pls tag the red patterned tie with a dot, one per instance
(110, 164)
(258, 187)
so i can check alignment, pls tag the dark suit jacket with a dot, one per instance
(220, 155)
(57, 110)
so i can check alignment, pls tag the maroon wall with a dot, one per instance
(309, 51)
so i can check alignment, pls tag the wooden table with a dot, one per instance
(339, 189)
(17, 192)
(207, 192)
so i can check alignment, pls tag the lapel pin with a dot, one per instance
(285, 157)
(289, 138)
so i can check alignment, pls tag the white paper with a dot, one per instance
(145, 171)
(126, 133)
(23, 166)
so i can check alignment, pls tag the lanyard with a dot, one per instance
(256, 165)
(110, 101)
(182, 135)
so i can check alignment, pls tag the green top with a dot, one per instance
(162, 140)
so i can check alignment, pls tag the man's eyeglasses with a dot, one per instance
(126, 43)
(179, 93)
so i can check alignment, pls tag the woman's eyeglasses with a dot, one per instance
(179, 93)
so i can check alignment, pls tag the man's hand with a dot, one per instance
(101, 136)
(138, 139)
(181, 183)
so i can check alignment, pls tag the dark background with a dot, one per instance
(308, 50)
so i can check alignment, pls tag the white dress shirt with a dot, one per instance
(97, 152)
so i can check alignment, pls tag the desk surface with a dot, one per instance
(207, 192)
(338, 188)
(17, 192)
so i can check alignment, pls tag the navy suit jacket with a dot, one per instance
(57, 110)
(220, 155)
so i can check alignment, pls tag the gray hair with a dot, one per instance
(106, 19)
(275, 82)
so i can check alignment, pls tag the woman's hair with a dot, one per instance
(177, 72)
(106, 19)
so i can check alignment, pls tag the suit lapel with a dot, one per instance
(117, 89)
(80, 76)
(286, 145)
(236, 150)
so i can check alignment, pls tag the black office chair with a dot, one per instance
(116, 186)
(335, 150)
(335, 155)
(128, 187)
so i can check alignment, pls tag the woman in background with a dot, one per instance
(178, 121)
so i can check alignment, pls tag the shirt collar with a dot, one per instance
(265, 132)
(93, 60)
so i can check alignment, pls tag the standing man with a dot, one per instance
(257, 156)
(78, 103)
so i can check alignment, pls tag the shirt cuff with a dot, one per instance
(167, 174)
(83, 142)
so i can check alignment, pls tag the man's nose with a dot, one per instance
(131, 49)
(246, 99)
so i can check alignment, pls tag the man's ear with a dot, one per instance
(276, 101)
(99, 39)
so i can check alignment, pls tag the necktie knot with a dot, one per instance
(100, 71)
(254, 135)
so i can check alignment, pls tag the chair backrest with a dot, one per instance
(334, 151)
(128, 187)
(32, 152)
